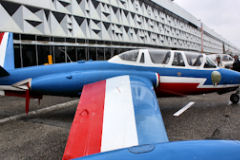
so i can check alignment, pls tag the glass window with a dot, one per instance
(29, 55)
(142, 60)
(100, 54)
(92, 54)
(129, 55)
(17, 55)
(159, 57)
(225, 58)
(178, 59)
(212, 57)
(81, 54)
(194, 59)
(209, 63)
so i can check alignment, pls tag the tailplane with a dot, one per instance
(6, 53)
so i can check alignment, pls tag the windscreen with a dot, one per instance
(129, 55)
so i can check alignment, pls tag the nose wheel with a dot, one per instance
(234, 98)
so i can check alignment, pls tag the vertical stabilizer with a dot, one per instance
(6, 51)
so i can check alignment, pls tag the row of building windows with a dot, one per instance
(32, 55)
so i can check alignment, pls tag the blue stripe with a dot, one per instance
(149, 122)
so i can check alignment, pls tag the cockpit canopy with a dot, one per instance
(129, 55)
(222, 60)
(169, 58)
(194, 59)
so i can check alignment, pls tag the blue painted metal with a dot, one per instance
(69, 84)
(101, 66)
(9, 58)
(84, 73)
(185, 150)
(150, 126)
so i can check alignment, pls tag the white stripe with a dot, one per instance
(2, 93)
(158, 79)
(119, 126)
(169, 79)
(10, 88)
(3, 48)
(178, 113)
(219, 86)
(201, 81)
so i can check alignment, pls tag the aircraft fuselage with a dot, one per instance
(69, 79)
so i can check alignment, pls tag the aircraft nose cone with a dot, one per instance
(229, 76)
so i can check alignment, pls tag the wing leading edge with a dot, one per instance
(115, 113)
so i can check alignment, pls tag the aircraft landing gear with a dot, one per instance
(234, 98)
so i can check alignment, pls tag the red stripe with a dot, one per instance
(1, 37)
(21, 94)
(182, 89)
(86, 132)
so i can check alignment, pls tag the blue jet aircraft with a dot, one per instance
(118, 116)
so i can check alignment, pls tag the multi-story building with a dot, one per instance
(71, 30)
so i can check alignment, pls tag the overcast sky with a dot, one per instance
(223, 16)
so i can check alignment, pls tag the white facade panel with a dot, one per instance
(156, 23)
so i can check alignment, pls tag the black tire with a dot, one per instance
(234, 98)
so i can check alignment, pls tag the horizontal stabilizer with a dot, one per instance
(116, 113)
(3, 72)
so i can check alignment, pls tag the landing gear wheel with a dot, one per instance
(234, 98)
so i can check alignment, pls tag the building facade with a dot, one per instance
(71, 30)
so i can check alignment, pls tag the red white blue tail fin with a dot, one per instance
(6, 53)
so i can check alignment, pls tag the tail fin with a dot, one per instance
(6, 53)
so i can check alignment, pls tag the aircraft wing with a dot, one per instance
(115, 113)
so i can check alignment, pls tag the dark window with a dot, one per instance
(92, 54)
(81, 53)
(108, 53)
(209, 63)
(178, 59)
(60, 55)
(17, 56)
(142, 60)
(29, 55)
(43, 52)
(100, 54)
(71, 54)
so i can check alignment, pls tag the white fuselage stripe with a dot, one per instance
(9, 88)
(119, 125)
(2, 93)
(201, 81)
(3, 48)
(171, 79)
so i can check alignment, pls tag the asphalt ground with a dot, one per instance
(44, 136)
